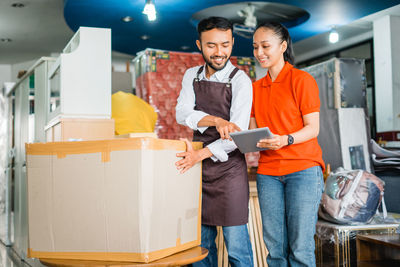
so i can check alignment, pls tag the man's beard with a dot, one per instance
(208, 63)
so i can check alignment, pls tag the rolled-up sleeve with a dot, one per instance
(242, 95)
(184, 110)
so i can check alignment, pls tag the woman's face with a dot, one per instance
(268, 48)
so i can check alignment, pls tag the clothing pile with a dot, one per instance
(351, 197)
(384, 159)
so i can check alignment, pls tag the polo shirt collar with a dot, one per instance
(281, 76)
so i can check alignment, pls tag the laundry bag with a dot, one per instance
(351, 197)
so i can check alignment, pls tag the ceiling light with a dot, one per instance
(17, 5)
(185, 47)
(127, 19)
(145, 37)
(333, 36)
(150, 10)
(248, 14)
(5, 40)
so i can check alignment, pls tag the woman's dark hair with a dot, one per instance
(283, 34)
(214, 23)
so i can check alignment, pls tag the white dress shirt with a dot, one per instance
(240, 105)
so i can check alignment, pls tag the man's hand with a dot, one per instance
(191, 156)
(225, 127)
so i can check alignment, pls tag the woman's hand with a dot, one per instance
(275, 143)
(309, 131)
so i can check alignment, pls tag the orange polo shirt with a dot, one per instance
(281, 105)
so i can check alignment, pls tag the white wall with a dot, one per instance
(5, 74)
(387, 69)
(119, 65)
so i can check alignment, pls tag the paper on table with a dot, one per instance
(383, 153)
(385, 161)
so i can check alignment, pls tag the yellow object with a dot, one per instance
(132, 114)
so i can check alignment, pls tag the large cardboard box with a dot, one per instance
(117, 200)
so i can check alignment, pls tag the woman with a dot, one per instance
(289, 175)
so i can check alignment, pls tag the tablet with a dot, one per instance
(247, 140)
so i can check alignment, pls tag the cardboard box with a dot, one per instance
(115, 200)
(72, 129)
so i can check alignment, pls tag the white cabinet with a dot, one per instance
(80, 80)
(79, 95)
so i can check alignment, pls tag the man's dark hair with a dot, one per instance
(214, 23)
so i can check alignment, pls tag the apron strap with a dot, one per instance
(231, 76)
(198, 73)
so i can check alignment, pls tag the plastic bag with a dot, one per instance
(132, 114)
(351, 197)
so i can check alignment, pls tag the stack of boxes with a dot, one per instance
(100, 197)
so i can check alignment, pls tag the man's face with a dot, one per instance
(216, 47)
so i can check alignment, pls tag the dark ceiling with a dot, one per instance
(174, 29)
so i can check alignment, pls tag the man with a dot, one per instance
(215, 100)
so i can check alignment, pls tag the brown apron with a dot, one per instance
(225, 184)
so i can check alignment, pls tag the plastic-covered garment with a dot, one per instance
(132, 114)
(351, 197)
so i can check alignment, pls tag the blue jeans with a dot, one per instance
(237, 243)
(289, 207)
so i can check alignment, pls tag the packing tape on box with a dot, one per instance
(114, 256)
(62, 149)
